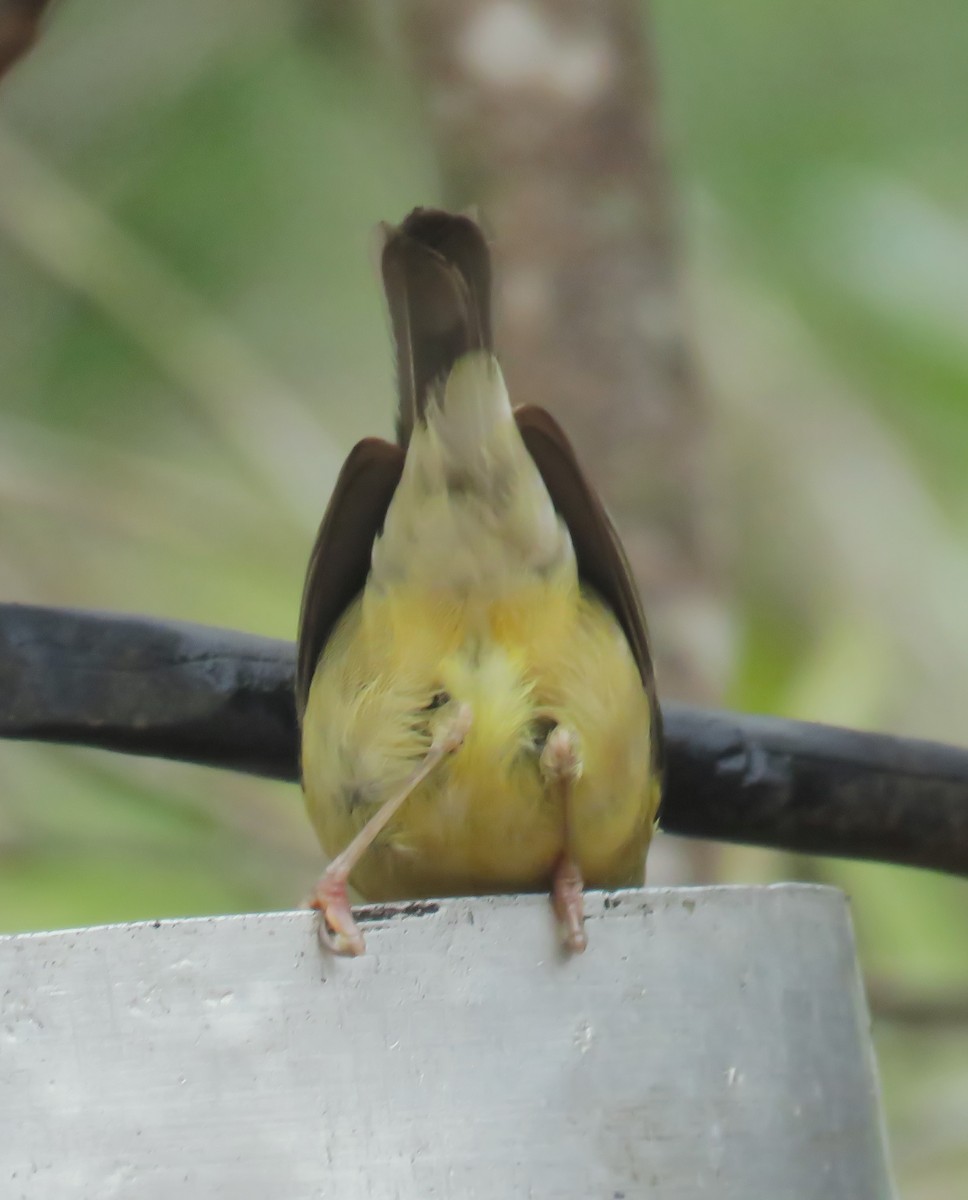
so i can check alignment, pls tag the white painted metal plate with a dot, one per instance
(711, 1042)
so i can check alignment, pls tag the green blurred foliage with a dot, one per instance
(190, 338)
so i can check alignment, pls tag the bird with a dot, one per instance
(474, 687)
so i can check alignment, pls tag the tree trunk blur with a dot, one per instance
(544, 114)
(19, 29)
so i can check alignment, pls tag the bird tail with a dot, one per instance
(437, 278)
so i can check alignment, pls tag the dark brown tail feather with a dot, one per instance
(437, 278)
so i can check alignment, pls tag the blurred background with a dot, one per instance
(192, 336)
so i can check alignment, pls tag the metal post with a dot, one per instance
(712, 1042)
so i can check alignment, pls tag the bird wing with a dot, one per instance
(340, 558)
(601, 559)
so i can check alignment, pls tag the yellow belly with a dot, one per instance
(484, 821)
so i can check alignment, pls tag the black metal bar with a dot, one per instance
(816, 789)
(224, 699)
(140, 686)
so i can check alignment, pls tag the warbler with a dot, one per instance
(475, 692)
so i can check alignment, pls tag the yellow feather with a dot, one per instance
(544, 653)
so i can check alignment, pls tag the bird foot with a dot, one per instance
(337, 930)
(567, 895)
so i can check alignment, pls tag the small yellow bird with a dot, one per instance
(475, 692)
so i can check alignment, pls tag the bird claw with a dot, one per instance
(337, 930)
(567, 895)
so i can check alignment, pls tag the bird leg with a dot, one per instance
(338, 931)
(560, 765)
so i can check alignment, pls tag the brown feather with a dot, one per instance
(340, 558)
(437, 278)
(601, 559)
